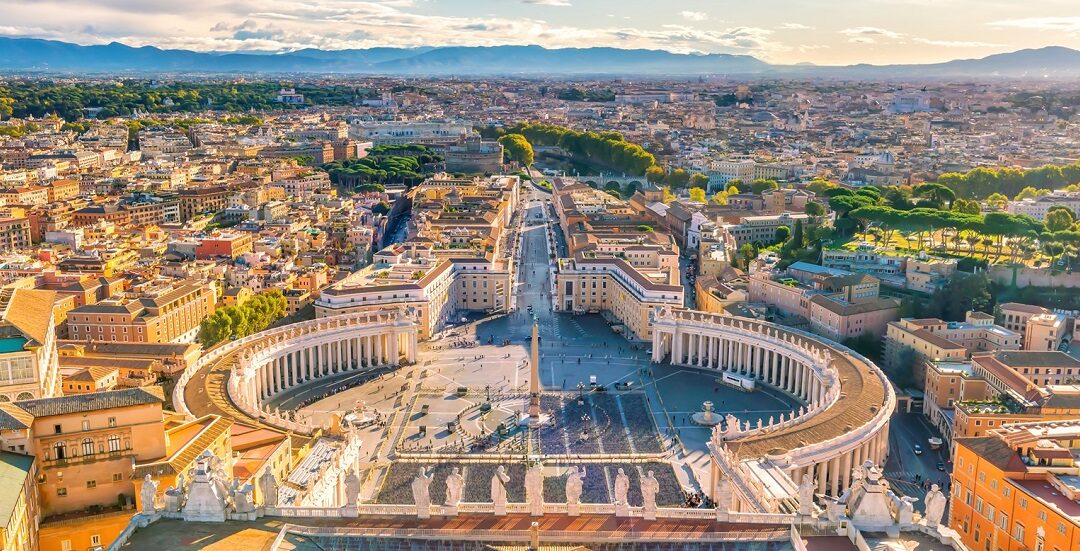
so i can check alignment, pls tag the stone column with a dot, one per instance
(378, 350)
(395, 357)
(823, 469)
(834, 484)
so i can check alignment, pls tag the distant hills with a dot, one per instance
(31, 54)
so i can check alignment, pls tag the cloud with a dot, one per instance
(869, 35)
(795, 27)
(286, 25)
(1060, 24)
(694, 15)
(557, 3)
(957, 43)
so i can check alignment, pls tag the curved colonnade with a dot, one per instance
(848, 400)
(275, 361)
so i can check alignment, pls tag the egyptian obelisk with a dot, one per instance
(534, 376)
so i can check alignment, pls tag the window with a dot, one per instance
(114, 443)
(1018, 532)
(1003, 521)
(60, 450)
(1042, 516)
(62, 492)
(91, 484)
(117, 477)
(65, 545)
(85, 423)
(57, 429)
(95, 539)
(87, 446)
(1023, 503)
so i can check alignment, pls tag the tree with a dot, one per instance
(732, 186)
(941, 196)
(6, 107)
(382, 207)
(1030, 193)
(678, 178)
(644, 228)
(820, 186)
(815, 209)
(783, 233)
(962, 293)
(966, 206)
(720, 198)
(517, 148)
(699, 179)
(997, 200)
(667, 197)
(697, 195)
(762, 185)
(654, 174)
(1059, 219)
(798, 237)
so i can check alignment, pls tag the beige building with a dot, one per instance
(1046, 332)
(912, 342)
(436, 290)
(19, 512)
(166, 313)
(28, 359)
(609, 284)
(1014, 316)
(836, 304)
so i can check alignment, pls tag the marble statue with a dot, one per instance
(207, 494)
(421, 497)
(242, 499)
(455, 485)
(352, 489)
(534, 490)
(148, 494)
(622, 488)
(574, 485)
(906, 510)
(935, 506)
(649, 488)
(268, 487)
(806, 495)
(498, 490)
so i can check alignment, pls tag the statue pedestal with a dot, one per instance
(622, 510)
(450, 510)
(500, 509)
(350, 512)
(423, 512)
(573, 509)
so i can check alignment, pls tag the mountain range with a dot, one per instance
(37, 55)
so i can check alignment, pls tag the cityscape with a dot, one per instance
(541, 275)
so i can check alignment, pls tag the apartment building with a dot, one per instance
(762, 229)
(912, 342)
(169, 312)
(224, 245)
(86, 448)
(1045, 332)
(19, 512)
(1017, 488)
(836, 304)
(923, 274)
(28, 358)
(1014, 315)
(435, 289)
(14, 234)
(608, 284)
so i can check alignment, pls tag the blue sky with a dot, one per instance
(782, 31)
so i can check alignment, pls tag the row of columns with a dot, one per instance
(746, 358)
(833, 476)
(328, 358)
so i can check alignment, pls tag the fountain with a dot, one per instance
(706, 417)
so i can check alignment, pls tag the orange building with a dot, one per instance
(86, 447)
(1018, 489)
(168, 314)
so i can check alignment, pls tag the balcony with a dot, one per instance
(87, 459)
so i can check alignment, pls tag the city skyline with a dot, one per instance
(876, 32)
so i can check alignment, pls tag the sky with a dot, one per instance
(779, 31)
